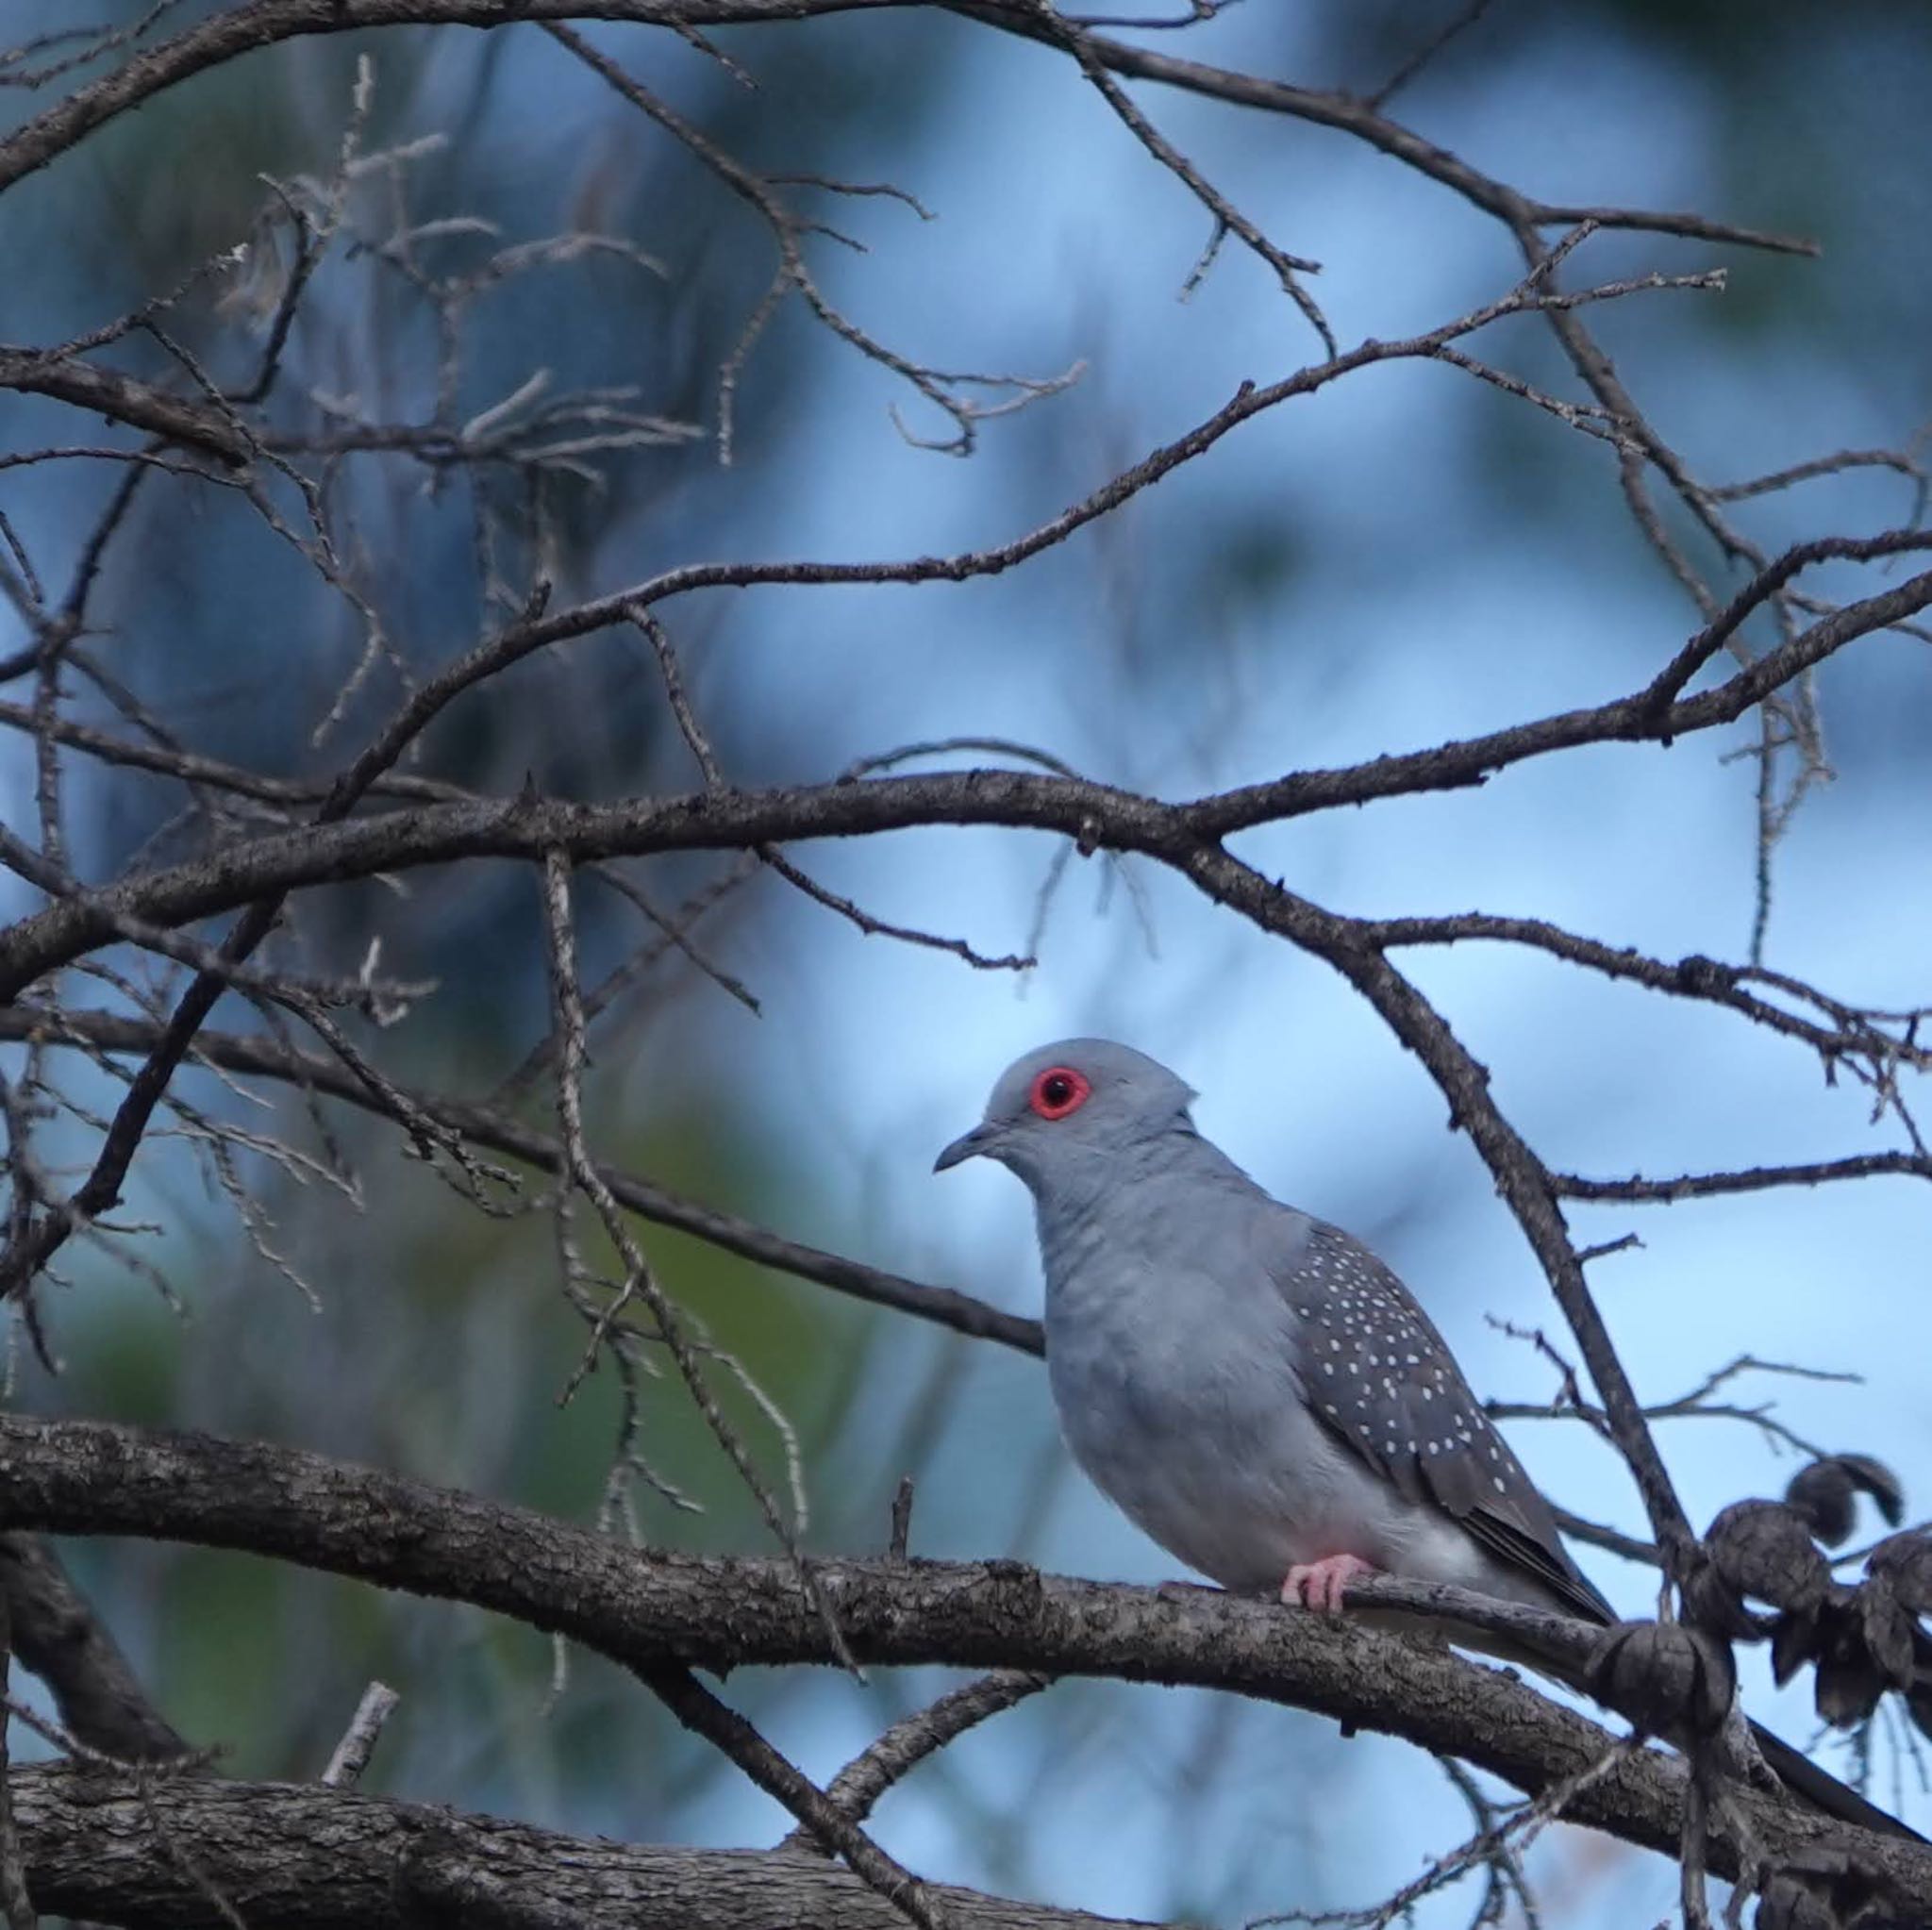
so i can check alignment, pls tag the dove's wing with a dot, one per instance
(1378, 1376)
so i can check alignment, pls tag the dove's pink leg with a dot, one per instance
(1318, 1584)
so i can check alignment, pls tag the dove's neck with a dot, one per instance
(1143, 1194)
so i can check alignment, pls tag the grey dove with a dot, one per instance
(1253, 1387)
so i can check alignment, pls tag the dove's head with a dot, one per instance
(1062, 1109)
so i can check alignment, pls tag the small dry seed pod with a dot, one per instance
(1905, 1561)
(1826, 1494)
(1666, 1677)
(1850, 1680)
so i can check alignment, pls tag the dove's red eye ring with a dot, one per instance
(1058, 1092)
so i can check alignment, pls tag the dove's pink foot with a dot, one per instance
(1318, 1584)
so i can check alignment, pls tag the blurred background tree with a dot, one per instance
(572, 303)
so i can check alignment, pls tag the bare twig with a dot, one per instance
(857, 1789)
(350, 1756)
(700, 1711)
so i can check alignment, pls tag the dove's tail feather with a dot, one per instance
(1822, 1790)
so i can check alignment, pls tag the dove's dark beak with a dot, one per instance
(968, 1146)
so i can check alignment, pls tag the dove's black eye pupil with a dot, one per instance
(1056, 1089)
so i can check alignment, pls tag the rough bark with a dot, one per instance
(305, 1857)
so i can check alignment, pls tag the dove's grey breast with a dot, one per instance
(1182, 1374)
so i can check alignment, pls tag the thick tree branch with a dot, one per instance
(527, 826)
(309, 1857)
(644, 1611)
